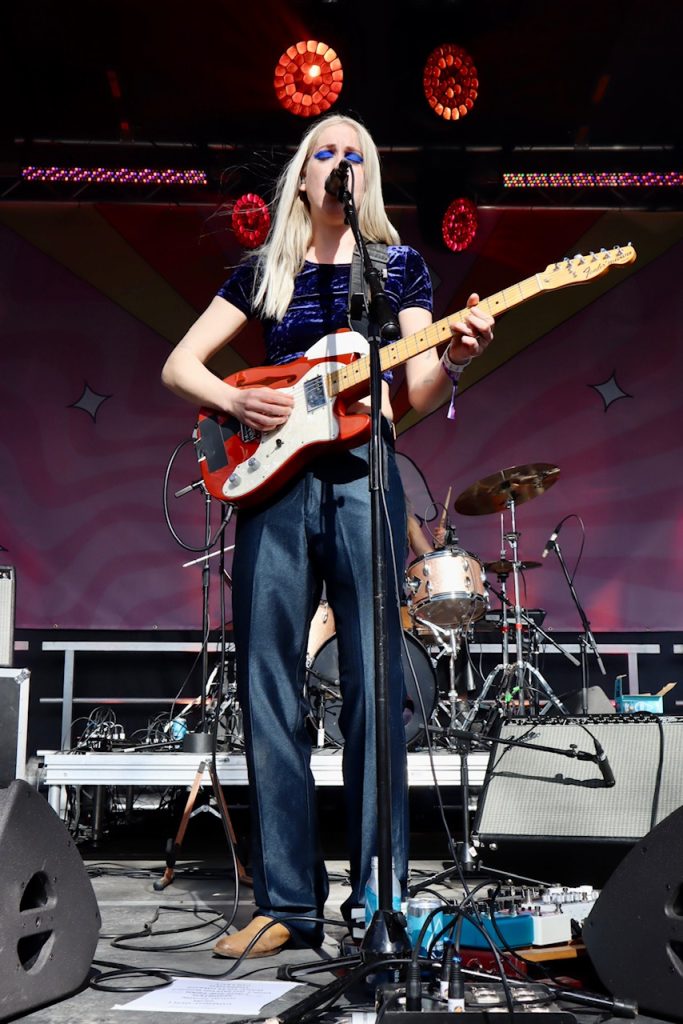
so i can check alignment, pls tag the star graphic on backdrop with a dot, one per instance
(90, 401)
(610, 391)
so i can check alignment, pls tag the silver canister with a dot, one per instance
(419, 908)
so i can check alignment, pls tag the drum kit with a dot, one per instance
(447, 595)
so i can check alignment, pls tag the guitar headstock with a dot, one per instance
(577, 269)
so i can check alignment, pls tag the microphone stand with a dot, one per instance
(386, 934)
(386, 940)
(200, 742)
(586, 639)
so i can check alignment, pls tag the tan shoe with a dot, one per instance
(270, 943)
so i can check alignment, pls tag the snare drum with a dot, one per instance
(446, 588)
(324, 679)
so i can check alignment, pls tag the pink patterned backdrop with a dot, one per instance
(92, 297)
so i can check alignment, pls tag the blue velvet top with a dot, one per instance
(321, 296)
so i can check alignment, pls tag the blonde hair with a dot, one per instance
(282, 255)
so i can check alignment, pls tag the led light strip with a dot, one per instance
(114, 175)
(590, 179)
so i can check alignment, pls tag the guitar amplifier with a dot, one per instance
(540, 794)
(7, 581)
(14, 691)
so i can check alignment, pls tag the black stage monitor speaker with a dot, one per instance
(49, 924)
(634, 933)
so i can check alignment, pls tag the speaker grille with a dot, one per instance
(537, 794)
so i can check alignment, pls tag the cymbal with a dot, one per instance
(494, 493)
(502, 567)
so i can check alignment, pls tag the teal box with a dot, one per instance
(628, 703)
(516, 929)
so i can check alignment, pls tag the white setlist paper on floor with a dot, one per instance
(205, 995)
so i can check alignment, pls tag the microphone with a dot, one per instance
(450, 537)
(335, 182)
(603, 764)
(552, 538)
(186, 490)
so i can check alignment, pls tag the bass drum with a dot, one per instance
(323, 686)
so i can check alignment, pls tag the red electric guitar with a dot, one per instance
(244, 466)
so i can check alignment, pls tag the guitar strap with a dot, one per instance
(359, 294)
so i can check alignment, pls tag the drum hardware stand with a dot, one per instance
(457, 642)
(508, 669)
(515, 673)
(586, 639)
(324, 692)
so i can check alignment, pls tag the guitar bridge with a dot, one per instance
(314, 391)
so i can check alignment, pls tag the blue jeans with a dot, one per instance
(317, 530)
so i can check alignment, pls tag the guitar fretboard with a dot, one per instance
(354, 374)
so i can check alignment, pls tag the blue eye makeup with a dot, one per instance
(328, 154)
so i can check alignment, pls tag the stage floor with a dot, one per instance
(127, 901)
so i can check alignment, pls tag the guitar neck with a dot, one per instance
(353, 375)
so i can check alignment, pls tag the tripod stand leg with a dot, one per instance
(488, 683)
(173, 846)
(241, 873)
(553, 701)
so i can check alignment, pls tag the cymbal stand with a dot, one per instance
(512, 676)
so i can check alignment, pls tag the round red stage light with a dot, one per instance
(459, 224)
(450, 81)
(250, 220)
(308, 78)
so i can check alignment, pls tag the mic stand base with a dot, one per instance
(385, 936)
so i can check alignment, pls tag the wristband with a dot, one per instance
(453, 370)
